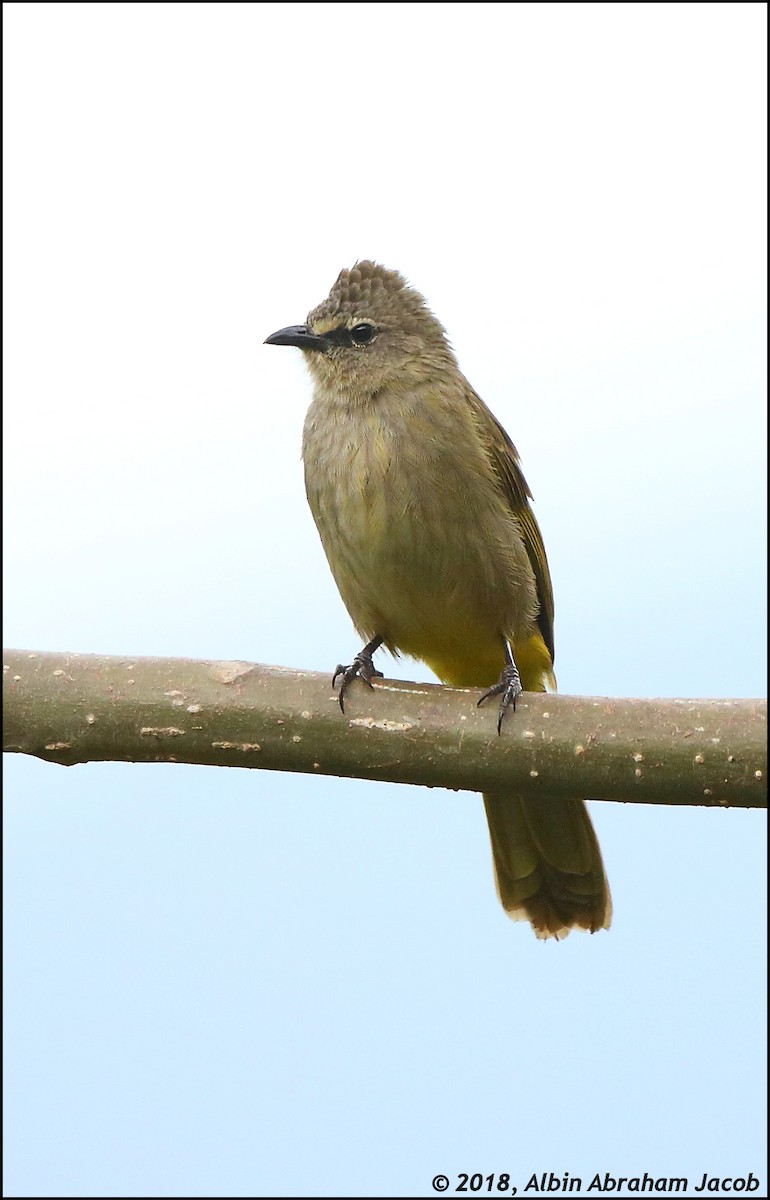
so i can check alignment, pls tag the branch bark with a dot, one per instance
(75, 708)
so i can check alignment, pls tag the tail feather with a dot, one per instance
(548, 864)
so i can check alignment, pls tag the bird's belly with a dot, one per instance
(432, 565)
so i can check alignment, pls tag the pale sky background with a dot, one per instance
(234, 983)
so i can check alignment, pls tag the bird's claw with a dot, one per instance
(361, 666)
(508, 688)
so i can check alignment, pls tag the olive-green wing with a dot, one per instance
(504, 460)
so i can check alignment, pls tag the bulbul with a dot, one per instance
(425, 518)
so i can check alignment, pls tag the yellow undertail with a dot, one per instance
(548, 865)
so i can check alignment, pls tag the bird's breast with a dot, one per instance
(422, 545)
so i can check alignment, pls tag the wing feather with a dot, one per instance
(504, 460)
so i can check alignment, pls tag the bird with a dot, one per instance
(425, 518)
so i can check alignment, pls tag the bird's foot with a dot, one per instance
(508, 688)
(361, 666)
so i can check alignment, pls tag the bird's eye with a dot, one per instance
(363, 333)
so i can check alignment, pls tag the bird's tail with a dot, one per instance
(548, 864)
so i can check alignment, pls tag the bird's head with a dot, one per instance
(372, 331)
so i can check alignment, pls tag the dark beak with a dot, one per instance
(297, 335)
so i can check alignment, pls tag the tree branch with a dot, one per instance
(74, 708)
